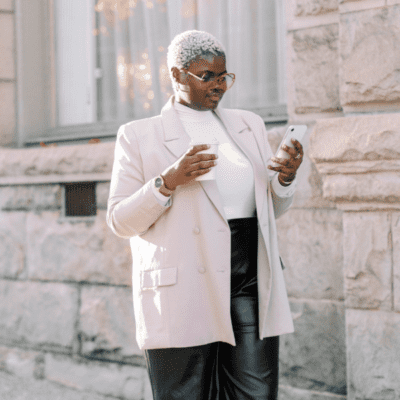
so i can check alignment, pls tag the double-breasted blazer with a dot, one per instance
(181, 252)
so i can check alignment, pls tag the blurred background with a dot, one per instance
(71, 72)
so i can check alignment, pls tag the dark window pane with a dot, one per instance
(80, 199)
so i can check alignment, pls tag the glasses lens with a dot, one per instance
(228, 80)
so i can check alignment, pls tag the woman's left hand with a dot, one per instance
(288, 167)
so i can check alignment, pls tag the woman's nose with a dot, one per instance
(220, 83)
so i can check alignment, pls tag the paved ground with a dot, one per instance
(16, 388)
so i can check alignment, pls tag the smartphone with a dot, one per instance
(293, 132)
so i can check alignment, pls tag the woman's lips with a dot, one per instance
(215, 97)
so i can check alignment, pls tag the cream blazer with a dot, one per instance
(181, 252)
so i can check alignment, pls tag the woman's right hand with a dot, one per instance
(189, 167)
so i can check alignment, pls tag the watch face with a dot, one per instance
(158, 182)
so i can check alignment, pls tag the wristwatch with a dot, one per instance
(159, 182)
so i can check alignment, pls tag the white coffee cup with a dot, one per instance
(212, 150)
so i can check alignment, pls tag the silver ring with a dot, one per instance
(298, 156)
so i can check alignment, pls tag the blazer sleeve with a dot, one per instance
(132, 207)
(282, 196)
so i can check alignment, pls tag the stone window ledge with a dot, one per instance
(77, 163)
(359, 161)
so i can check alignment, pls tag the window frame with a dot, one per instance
(36, 81)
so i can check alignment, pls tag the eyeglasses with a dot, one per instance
(209, 78)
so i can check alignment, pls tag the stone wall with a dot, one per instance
(362, 175)
(66, 310)
(339, 241)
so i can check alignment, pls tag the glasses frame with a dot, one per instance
(216, 79)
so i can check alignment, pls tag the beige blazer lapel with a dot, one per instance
(177, 142)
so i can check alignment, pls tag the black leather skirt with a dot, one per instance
(220, 371)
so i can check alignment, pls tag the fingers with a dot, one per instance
(292, 152)
(286, 165)
(281, 161)
(196, 148)
(299, 148)
(203, 157)
(200, 172)
(200, 166)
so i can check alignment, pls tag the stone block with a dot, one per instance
(17, 388)
(396, 260)
(147, 394)
(30, 197)
(76, 251)
(102, 193)
(108, 379)
(315, 7)
(366, 38)
(290, 393)
(367, 137)
(378, 186)
(38, 314)
(73, 161)
(12, 244)
(7, 46)
(373, 354)
(360, 5)
(7, 113)
(20, 362)
(315, 69)
(310, 243)
(367, 260)
(6, 5)
(107, 325)
(314, 357)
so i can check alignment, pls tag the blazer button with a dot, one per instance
(196, 230)
(201, 270)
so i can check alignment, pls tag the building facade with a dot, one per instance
(65, 301)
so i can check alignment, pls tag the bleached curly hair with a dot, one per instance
(186, 46)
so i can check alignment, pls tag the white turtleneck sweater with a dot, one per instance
(234, 173)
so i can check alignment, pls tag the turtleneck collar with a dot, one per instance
(188, 114)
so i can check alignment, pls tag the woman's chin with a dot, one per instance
(212, 102)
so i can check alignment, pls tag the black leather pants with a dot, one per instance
(220, 371)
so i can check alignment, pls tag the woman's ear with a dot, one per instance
(179, 79)
(178, 75)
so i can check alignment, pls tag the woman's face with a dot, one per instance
(197, 94)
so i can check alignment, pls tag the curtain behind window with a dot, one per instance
(128, 54)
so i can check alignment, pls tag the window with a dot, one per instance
(80, 199)
(87, 66)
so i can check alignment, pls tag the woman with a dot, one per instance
(209, 296)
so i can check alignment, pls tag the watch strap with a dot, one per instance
(165, 189)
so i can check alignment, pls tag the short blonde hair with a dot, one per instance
(188, 45)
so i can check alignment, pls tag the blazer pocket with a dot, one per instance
(158, 277)
(282, 264)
